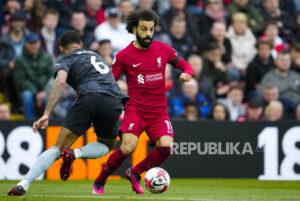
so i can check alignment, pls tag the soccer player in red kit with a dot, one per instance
(143, 62)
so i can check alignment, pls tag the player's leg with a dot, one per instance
(115, 160)
(131, 128)
(65, 139)
(161, 133)
(79, 119)
(157, 156)
(153, 159)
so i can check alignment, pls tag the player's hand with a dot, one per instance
(184, 77)
(41, 123)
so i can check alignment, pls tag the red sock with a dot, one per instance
(114, 161)
(154, 159)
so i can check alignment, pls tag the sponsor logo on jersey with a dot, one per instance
(140, 79)
(136, 65)
(154, 77)
(158, 62)
(130, 126)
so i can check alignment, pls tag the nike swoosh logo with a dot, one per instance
(135, 65)
(155, 184)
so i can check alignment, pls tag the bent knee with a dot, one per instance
(128, 149)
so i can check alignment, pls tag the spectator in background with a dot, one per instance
(17, 32)
(145, 4)
(178, 9)
(217, 34)
(4, 111)
(78, 23)
(259, 66)
(214, 69)
(181, 41)
(298, 25)
(295, 54)
(219, 113)
(243, 46)
(12, 6)
(65, 9)
(33, 70)
(190, 94)
(274, 111)
(297, 112)
(213, 12)
(270, 93)
(170, 89)
(233, 102)
(271, 34)
(285, 22)
(287, 80)
(8, 8)
(190, 112)
(7, 84)
(254, 111)
(254, 20)
(48, 36)
(94, 14)
(105, 50)
(125, 7)
(114, 30)
(205, 84)
(35, 10)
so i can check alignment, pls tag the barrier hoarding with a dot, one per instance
(269, 151)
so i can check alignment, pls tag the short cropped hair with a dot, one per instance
(212, 46)
(284, 52)
(69, 37)
(239, 16)
(236, 87)
(263, 42)
(295, 46)
(51, 11)
(144, 14)
(104, 41)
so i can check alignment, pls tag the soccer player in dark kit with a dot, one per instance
(143, 62)
(99, 101)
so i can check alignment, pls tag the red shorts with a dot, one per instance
(154, 127)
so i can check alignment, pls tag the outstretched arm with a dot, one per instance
(187, 69)
(56, 91)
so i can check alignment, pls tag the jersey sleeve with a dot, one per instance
(117, 66)
(62, 64)
(178, 62)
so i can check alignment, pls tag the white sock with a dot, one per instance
(24, 183)
(78, 153)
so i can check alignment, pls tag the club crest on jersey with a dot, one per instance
(140, 79)
(130, 126)
(158, 62)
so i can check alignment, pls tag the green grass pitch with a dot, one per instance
(180, 189)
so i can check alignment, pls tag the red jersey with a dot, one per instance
(145, 76)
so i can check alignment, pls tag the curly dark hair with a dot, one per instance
(145, 15)
(69, 37)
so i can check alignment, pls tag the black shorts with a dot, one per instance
(100, 109)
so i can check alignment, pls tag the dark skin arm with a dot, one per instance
(56, 91)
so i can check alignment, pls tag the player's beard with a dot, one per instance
(142, 41)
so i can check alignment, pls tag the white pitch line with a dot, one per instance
(120, 197)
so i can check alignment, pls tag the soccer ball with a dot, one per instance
(157, 180)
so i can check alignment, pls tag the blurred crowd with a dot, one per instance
(245, 54)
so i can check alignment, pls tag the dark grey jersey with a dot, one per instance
(88, 73)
